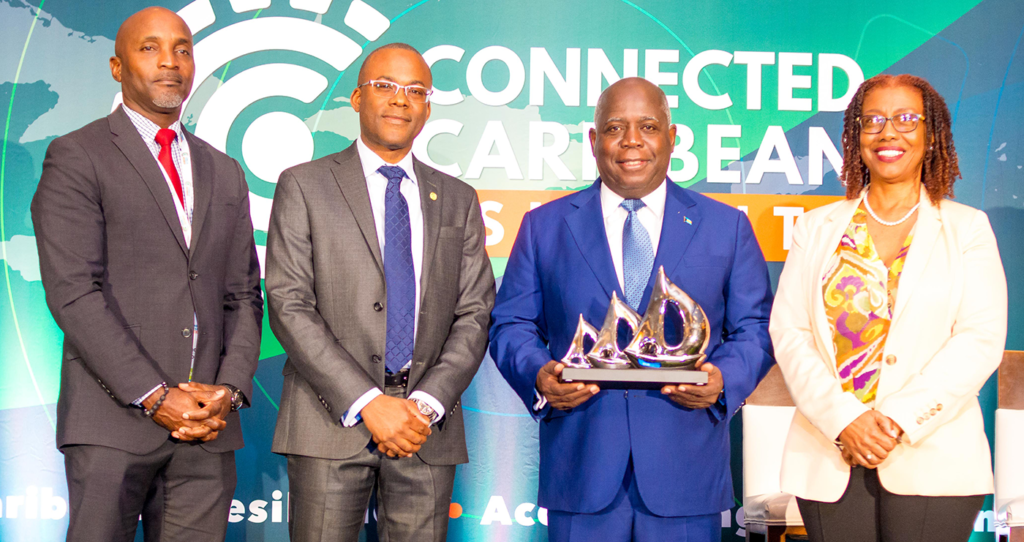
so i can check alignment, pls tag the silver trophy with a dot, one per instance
(647, 349)
(576, 357)
(606, 353)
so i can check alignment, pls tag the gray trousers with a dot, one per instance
(867, 512)
(329, 498)
(182, 492)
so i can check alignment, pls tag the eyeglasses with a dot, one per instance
(386, 89)
(904, 122)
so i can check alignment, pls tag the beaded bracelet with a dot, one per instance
(156, 406)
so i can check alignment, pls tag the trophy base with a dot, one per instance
(633, 379)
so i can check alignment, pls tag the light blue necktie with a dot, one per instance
(399, 273)
(637, 254)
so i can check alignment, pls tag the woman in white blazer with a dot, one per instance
(889, 317)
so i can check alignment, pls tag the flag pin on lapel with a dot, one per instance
(687, 220)
(433, 196)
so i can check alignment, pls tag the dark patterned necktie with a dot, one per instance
(399, 274)
(637, 254)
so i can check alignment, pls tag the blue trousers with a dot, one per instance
(628, 519)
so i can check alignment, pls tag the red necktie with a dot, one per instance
(164, 137)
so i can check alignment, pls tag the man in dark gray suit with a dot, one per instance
(380, 290)
(149, 267)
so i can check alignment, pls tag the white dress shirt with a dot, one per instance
(376, 185)
(183, 163)
(651, 217)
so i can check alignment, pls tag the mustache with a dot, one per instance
(169, 76)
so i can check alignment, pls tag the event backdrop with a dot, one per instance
(757, 89)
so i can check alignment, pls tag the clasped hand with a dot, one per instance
(398, 427)
(192, 411)
(869, 439)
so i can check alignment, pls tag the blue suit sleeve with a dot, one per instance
(745, 354)
(519, 332)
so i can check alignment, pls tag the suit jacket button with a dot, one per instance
(932, 411)
(186, 333)
(890, 360)
(378, 307)
(920, 421)
(193, 275)
(375, 358)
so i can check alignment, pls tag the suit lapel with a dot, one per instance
(202, 186)
(678, 227)
(832, 232)
(586, 224)
(127, 139)
(431, 220)
(349, 176)
(926, 232)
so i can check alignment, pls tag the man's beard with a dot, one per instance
(169, 100)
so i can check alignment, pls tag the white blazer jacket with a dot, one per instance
(945, 340)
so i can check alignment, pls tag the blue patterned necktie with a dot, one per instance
(637, 254)
(399, 274)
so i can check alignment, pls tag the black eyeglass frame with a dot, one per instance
(916, 119)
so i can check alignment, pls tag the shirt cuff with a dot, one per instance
(351, 416)
(430, 400)
(138, 402)
(539, 401)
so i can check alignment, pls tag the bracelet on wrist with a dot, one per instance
(150, 412)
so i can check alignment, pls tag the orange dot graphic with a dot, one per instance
(455, 510)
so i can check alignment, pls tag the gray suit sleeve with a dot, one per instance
(464, 348)
(243, 302)
(330, 370)
(67, 214)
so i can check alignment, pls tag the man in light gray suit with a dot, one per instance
(380, 290)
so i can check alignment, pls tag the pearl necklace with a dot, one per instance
(871, 212)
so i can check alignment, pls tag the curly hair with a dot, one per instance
(940, 168)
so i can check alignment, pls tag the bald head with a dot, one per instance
(631, 87)
(144, 19)
(371, 62)
(153, 62)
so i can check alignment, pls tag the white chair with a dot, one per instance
(1009, 497)
(768, 513)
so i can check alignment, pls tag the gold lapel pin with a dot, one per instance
(433, 196)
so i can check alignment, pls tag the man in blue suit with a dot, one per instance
(634, 465)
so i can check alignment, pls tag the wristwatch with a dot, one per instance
(426, 410)
(237, 398)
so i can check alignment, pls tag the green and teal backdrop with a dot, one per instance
(757, 87)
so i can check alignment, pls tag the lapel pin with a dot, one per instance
(687, 220)
(433, 196)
